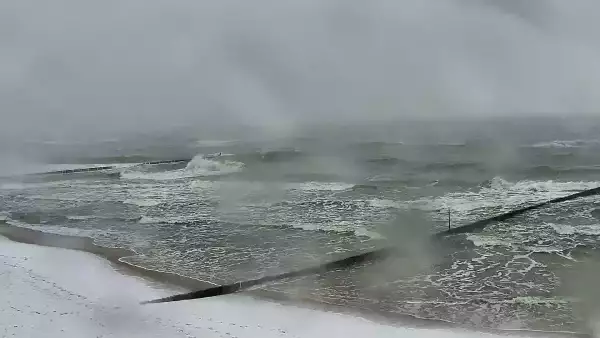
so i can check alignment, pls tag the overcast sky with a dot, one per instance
(121, 65)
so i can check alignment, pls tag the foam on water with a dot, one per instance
(146, 202)
(537, 300)
(567, 144)
(154, 220)
(43, 168)
(384, 204)
(34, 185)
(501, 195)
(319, 186)
(587, 230)
(339, 227)
(80, 217)
(483, 241)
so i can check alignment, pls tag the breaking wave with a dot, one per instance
(199, 166)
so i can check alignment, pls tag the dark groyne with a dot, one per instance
(481, 224)
(107, 167)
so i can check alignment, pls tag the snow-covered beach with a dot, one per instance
(55, 292)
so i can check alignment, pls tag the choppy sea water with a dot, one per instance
(263, 207)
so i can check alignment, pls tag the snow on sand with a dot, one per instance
(50, 292)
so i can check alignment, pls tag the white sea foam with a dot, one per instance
(152, 220)
(565, 229)
(142, 202)
(384, 204)
(567, 144)
(483, 241)
(319, 186)
(80, 217)
(499, 194)
(340, 227)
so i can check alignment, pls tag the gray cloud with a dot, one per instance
(70, 67)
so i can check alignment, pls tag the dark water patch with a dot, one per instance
(102, 219)
(564, 156)
(547, 171)
(269, 156)
(38, 217)
(281, 155)
(415, 182)
(107, 173)
(375, 144)
(449, 182)
(153, 167)
(65, 218)
(452, 166)
(367, 188)
(133, 158)
(323, 203)
(79, 170)
(391, 180)
(310, 177)
(473, 143)
(386, 161)
(595, 213)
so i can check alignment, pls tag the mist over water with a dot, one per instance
(340, 126)
(71, 69)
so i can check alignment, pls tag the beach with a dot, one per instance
(54, 292)
(337, 168)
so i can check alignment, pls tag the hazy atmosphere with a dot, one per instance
(223, 141)
(99, 68)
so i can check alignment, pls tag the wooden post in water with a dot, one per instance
(449, 224)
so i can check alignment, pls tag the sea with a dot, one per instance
(245, 203)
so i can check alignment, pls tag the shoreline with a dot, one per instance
(113, 255)
(175, 281)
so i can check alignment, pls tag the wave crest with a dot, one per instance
(199, 166)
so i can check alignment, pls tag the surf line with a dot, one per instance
(370, 256)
